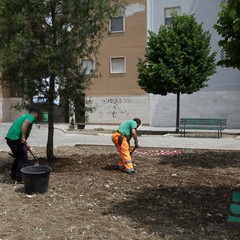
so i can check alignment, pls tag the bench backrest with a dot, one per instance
(203, 121)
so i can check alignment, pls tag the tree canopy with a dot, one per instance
(228, 26)
(178, 59)
(43, 42)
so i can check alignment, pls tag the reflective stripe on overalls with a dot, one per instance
(122, 145)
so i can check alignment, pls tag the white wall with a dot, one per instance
(222, 96)
(200, 105)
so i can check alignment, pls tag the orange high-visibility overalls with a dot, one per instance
(123, 147)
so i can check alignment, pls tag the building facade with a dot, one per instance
(221, 98)
(8, 100)
(115, 94)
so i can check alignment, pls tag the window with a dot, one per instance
(88, 65)
(222, 54)
(222, 57)
(117, 24)
(168, 14)
(118, 65)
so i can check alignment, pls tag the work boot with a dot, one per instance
(130, 172)
(18, 182)
(116, 167)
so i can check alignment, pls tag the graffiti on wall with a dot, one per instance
(113, 107)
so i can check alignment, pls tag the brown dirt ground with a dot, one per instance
(185, 196)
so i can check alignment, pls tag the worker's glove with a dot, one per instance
(24, 141)
(136, 145)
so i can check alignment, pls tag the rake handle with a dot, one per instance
(32, 153)
(133, 151)
(29, 149)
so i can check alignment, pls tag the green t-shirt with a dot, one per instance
(126, 127)
(15, 131)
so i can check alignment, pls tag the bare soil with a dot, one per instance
(175, 195)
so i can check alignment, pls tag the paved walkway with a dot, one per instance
(64, 137)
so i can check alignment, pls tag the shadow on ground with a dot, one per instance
(185, 213)
(204, 159)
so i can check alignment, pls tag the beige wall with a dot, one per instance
(115, 109)
(130, 44)
(8, 99)
(4, 92)
(7, 112)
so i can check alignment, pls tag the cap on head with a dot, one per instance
(138, 121)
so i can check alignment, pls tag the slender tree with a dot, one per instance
(42, 43)
(177, 59)
(228, 26)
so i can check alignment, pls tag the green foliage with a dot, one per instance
(42, 43)
(177, 58)
(228, 26)
(45, 39)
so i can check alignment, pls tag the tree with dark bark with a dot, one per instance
(42, 43)
(178, 59)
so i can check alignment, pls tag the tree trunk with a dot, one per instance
(50, 154)
(178, 112)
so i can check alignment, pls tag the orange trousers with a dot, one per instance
(124, 150)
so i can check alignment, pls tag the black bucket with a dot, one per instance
(36, 178)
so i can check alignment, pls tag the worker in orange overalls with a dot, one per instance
(121, 138)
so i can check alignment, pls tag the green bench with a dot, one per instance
(202, 124)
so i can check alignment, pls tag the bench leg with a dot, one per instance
(219, 133)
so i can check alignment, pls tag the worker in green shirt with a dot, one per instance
(16, 138)
(121, 139)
